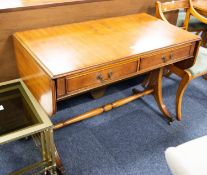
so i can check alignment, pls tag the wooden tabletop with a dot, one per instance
(14, 5)
(69, 48)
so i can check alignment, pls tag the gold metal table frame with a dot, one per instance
(36, 124)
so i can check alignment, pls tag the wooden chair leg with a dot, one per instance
(187, 77)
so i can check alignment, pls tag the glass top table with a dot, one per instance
(20, 114)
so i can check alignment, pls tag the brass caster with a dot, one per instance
(171, 120)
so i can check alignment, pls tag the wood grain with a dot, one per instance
(157, 59)
(181, 68)
(200, 6)
(83, 56)
(101, 76)
(103, 109)
(39, 83)
(101, 41)
(156, 83)
(16, 5)
(57, 15)
(61, 87)
(175, 5)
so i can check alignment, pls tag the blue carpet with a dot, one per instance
(129, 140)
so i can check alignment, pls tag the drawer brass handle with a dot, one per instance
(110, 74)
(164, 58)
(171, 56)
(100, 78)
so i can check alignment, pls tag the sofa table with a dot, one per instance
(59, 62)
(22, 116)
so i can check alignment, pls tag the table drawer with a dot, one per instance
(165, 57)
(100, 76)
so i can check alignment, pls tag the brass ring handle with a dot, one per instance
(171, 56)
(100, 78)
(164, 58)
(110, 74)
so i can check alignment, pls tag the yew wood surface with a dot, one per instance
(71, 48)
(28, 18)
(63, 61)
(90, 80)
(39, 83)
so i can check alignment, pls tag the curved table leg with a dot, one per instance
(156, 83)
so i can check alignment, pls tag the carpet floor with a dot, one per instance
(129, 140)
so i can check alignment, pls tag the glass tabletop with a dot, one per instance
(15, 111)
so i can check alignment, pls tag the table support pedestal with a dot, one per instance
(154, 87)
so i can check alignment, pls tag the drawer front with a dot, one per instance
(60, 85)
(100, 77)
(181, 53)
(165, 57)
